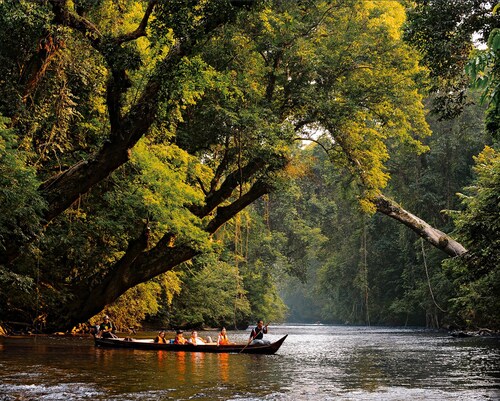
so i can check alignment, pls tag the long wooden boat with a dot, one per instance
(213, 348)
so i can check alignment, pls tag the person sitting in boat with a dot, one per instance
(223, 339)
(257, 334)
(195, 340)
(179, 337)
(107, 328)
(160, 338)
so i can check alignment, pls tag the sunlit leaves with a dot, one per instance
(362, 89)
(163, 188)
(131, 308)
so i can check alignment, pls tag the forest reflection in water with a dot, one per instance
(316, 362)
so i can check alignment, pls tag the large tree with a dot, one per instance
(130, 113)
(214, 106)
(141, 89)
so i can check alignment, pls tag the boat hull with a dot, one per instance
(268, 349)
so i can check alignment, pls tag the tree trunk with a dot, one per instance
(63, 189)
(432, 235)
(35, 69)
(138, 265)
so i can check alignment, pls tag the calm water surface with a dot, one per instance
(314, 363)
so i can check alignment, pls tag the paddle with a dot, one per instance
(253, 337)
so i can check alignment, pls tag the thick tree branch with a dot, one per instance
(65, 188)
(225, 213)
(432, 235)
(118, 81)
(134, 249)
(141, 29)
(65, 17)
(237, 177)
(137, 267)
(162, 258)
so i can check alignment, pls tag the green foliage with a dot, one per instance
(258, 253)
(265, 301)
(190, 19)
(211, 296)
(17, 290)
(359, 100)
(484, 73)
(22, 24)
(284, 71)
(374, 270)
(478, 277)
(229, 94)
(483, 69)
(152, 189)
(443, 31)
(435, 177)
(163, 185)
(144, 300)
(20, 204)
(132, 308)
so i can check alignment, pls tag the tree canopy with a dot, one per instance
(135, 131)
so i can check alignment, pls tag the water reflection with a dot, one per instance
(366, 367)
(315, 363)
(223, 367)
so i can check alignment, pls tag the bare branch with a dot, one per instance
(432, 235)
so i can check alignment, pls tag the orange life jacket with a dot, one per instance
(196, 340)
(223, 340)
(159, 339)
(180, 340)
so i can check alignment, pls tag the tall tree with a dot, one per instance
(220, 105)
(477, 277)
(129, 117)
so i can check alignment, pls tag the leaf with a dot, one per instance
(495, 39)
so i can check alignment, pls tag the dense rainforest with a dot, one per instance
(194, 163)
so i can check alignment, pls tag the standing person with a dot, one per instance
(160, 338)
(223, 339)
(107, 328)
(257, 334)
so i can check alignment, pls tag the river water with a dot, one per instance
(316, 362)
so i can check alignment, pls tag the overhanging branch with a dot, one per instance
(225, 213)
(432, 235)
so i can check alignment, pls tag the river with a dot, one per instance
(316, 362)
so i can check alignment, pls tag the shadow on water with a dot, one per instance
(314, 363)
